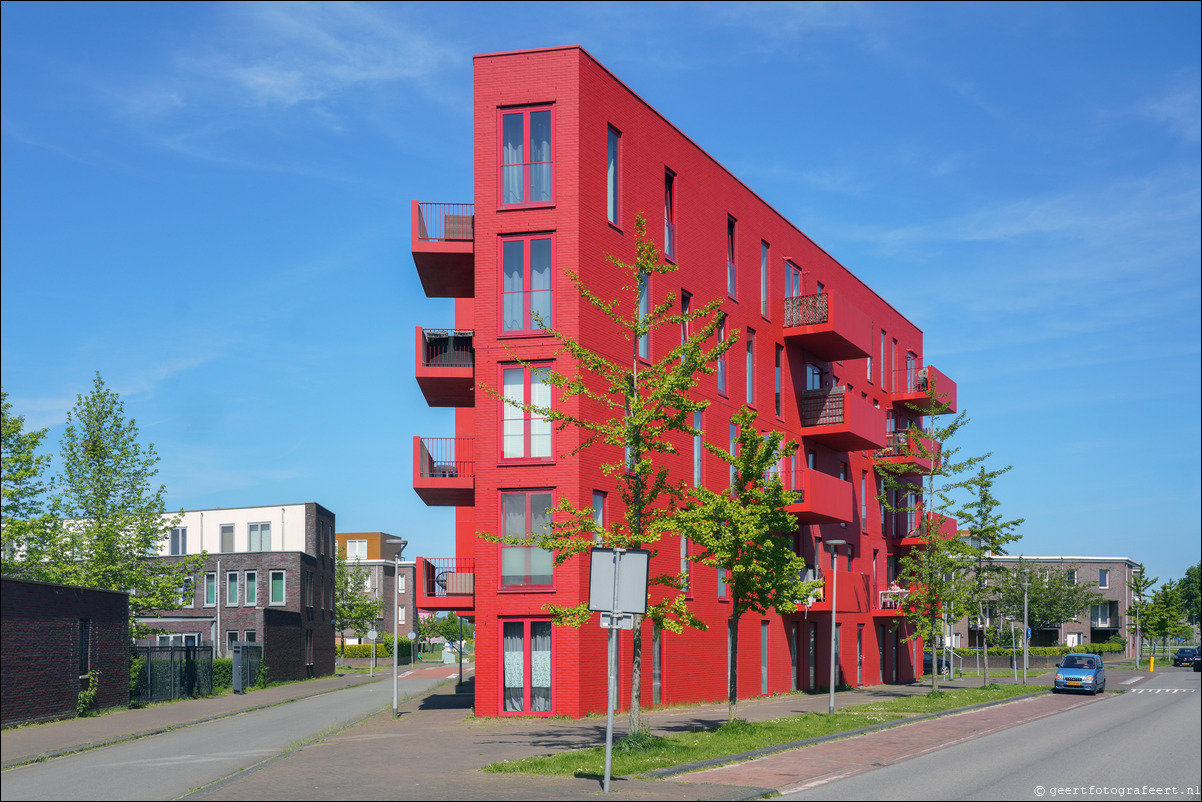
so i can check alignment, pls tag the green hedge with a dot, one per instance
(1049, 651)
(223, 672)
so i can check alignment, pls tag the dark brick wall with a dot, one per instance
(41, 649)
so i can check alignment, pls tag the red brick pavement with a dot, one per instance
(799, 769)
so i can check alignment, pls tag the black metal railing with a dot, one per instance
(173, 671)
(448, 348)
(447, 457)
(446, 222)
(448, 576)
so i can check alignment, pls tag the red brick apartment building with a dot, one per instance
(565, 156)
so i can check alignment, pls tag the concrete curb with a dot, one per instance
(711, 763)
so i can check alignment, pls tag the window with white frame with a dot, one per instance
(227, 538)
(251, 596)
(276, 587)
(210, 590)
(356, 549)
(179, 540)
(231, 589)
(1103, 577)
(258, 537)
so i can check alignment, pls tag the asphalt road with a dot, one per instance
(169, 765)
(1127, 746)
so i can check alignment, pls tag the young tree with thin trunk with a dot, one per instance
(935, 572)
(110, 521)
(988, 536)
(354, 608)
(635, 407)
(25, 521)
(1140, 586)
(739, 530)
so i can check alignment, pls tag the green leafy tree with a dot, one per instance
(988, 537)
(739, 531)
(449, 628)
(1164, 614)
(25, 521)
(110, 522)
(936, 571)
(1191, 594)
(1053, 595)
(354, 607)
(1140, 586)
(633, 408)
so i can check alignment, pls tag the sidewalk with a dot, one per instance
(436, 749)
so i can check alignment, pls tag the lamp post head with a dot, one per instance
(401, 543)
(834, 544)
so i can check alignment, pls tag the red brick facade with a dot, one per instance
(853, 355)
(44, 666)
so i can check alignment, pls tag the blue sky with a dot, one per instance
(209, 204)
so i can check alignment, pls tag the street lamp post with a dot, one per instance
(1026, 626)
(400, 543)
(834, 545)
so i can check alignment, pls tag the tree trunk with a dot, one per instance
(934, 653)
(732, 634)
(984, 642)
(636, 677)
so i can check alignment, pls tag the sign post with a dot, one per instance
(617, 590)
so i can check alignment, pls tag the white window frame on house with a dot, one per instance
(271, 598)
(227, 538)
(179, 541)
(251, 582)
(356, 549)
(400, 613)
(258, 536)
(1103, 578)
(249, 636)
(400, 582)
(231, 589)
(210, 589)
(187, 595)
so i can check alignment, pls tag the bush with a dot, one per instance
(261, 678)
(223, 672)
(137, 679)
(87, 697)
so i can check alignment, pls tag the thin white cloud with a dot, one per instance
(1179, 110)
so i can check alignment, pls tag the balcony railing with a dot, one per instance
(912, 383)
(806, 310)
(446, 222)
(448, 348)
(446, 457)
(890, 596)
(448, 576)
(822, 407)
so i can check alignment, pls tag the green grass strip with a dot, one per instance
(647, 753)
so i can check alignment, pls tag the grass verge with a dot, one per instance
(649, 752)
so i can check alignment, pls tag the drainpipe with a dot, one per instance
(217, 638)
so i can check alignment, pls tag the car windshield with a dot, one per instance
(1077, 662)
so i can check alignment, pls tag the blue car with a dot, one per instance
(1080, 672)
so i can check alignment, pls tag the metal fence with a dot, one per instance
(171, 671)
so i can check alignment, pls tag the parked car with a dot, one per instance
(1185, 656)
(1197, 660)
(926, 664)
(1080, 672)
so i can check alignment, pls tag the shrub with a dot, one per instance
(137, 679)
(87, 697)
(223, 672)
(261, 678)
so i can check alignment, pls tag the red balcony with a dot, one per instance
(444, 471)
(909, 449)
(911, 385)
(827, 326)
(842, 421)
(854, 592)
(443, 240)
(941, 525)
(825, 499)
(889, 598)
(446, 583)
(445, 366)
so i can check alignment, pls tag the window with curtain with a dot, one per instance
(526, 265)
(525, 513)
(526, 434)
(527, 162)
(526, 666)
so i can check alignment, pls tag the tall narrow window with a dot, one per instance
(813, 376)
(526, 434)
(644, 308)
(526, 285)
(252, 588)
(734, 443)
(792, 280)
(598, 515)
(686, 306)
(611, 175)
(722, 358)
(227, 538)
(864, 500)
(763, 278)
(526, 156)
(731, 273)
(670, 215)
(686, 568)
(276, 587)
(179, 540)
(210, 590)
(85, 646)
(884, 342)
(258, 537)
(780, 351)
(525, 513)
(1103, 577)
(750, 365)
(764, 657)
(698, 448)
(231, 588)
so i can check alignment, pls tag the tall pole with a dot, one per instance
(396, 620)
(834, 545)
(1026, 626)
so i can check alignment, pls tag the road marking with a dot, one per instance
(1133, 679)
(1164, 690)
